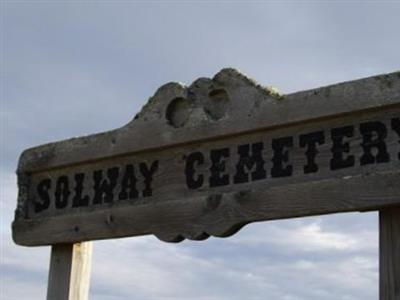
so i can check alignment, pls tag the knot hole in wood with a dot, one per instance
(218, 105)
(178, 111)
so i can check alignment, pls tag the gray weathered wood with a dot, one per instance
(390, 253)
(217, 215)
(60, 272)
(69, 274)
(227, 112)
(251, 107)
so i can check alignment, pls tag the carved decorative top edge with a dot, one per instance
(204, 100)
(229, 99)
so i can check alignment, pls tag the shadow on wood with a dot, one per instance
(69, 274)
(389, 231)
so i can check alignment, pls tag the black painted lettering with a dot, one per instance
(281, 156)
(78, 200)
(62, 192)
(128, 184)
(43, 192)
(249, 162)
(217, 169)
(374, 135)
(104, 188)
(339, 147)
(310, 140)
(396, 128)
(192, 182)
(148, 174)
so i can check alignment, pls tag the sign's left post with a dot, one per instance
(69, 273)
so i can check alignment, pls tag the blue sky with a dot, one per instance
(80, 67)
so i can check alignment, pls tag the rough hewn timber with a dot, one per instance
(209, 158)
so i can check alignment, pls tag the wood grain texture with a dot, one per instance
(389, 230)
(69, 274)
(350, 168)
(81, 271)
(217, 215)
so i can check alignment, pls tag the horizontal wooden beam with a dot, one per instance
(218, 214)
(209, 158)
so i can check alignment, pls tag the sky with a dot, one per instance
(71, 68)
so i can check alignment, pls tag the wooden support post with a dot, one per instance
(69, 274)
(389, 240)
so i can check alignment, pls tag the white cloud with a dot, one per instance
(310, 235)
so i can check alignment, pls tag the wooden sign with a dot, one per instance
(209, 158)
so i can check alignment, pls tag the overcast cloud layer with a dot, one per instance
(85, 67)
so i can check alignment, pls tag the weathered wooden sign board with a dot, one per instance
(207, 159)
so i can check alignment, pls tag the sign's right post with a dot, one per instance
(389, 253)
